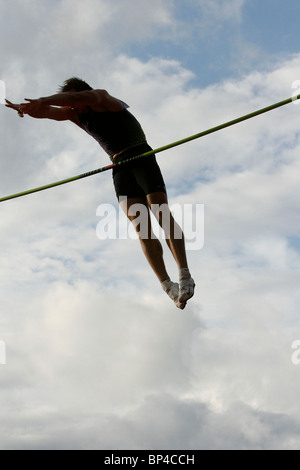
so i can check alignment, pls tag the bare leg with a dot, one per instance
(137, 211)
(158, 203)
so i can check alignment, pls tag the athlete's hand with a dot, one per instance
(16, 107)
(33, 107)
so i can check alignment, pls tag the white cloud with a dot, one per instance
(80, 22)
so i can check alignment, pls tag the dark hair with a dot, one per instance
(74, 83)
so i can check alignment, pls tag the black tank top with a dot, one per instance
(114, 131)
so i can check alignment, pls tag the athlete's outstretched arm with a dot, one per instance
(45, 112)
(93, 98)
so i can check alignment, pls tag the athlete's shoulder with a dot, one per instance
(107, 102)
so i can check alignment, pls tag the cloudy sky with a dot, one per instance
(97, 356)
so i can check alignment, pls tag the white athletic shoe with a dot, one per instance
(172, 289)
(186, 289)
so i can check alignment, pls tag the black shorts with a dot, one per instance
(140, 177)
